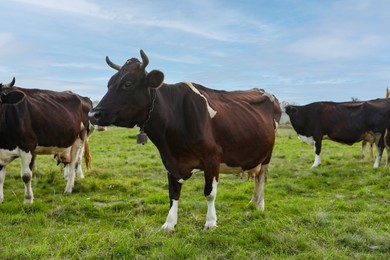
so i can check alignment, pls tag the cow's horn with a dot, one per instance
(112, 65)
(145, 60)
(11, 84)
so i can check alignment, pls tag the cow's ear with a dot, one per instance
(155, 79)
(12, 97)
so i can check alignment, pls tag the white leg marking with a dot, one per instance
(2, 178)
(171, 221)
(317, 161)
(377, 160)
(76, 148)
(211, 217)
(66, 171)
(260, 181)
(79, 169)
(26, 176)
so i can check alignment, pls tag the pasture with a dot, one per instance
(338, 211)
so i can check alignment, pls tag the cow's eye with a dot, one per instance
(128, 83)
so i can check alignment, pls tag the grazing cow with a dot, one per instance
(34, 121)
(193, 127)
(346, 122)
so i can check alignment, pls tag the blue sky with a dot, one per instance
(301, 51)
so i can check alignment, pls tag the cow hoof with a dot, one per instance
(260, 206)
(28, 201)
(210, 225)
(169, 227)
(68, 191)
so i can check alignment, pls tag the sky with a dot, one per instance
(300, 51)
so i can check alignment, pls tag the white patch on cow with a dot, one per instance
(211, 217)
(26, 174)
(307, 139)
(212, 112)
(317, 161)
(7, 156)
(171, 221)
(181, 181)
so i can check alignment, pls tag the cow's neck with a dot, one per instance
(151, 108)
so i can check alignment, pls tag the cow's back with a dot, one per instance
(244, 125)
(56, 117)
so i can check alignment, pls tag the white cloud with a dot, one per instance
(79, 7)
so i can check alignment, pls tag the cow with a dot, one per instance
(343, 122)
(193, 127)
(35, 121)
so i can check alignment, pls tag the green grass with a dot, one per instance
(338, 211)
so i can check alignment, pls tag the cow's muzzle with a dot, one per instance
(95, 117)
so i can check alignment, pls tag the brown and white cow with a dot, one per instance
(193, 127)
(344, 122)
(34, 121)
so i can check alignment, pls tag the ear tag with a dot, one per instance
(142, 138)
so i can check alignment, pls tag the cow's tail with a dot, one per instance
(87, 154)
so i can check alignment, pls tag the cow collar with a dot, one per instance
(142, 136)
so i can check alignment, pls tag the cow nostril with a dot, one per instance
(95, 115)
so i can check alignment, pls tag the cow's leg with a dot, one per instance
(380, 145)
(260, 181)
(317, 150)
(79, 168)
(74, 155)
(378, 157)
(26, 173)
(174, 196)
(66, 171)
(364, 143)
(2, 178)
(210, 192)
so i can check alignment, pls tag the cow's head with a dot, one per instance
(9, 85)
(10, 95)
(128, 98)
(291, 110)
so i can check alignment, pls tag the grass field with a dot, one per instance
(338, 211)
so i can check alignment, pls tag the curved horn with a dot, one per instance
(112, 65)
(10, 85)
(145, 59)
